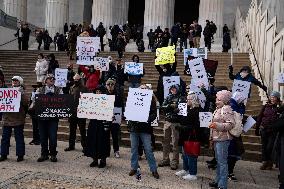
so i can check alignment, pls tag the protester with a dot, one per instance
(70, 79)
(151, 37)
(101, 33)
(226, 41)
(72, 40)
(189, 131)
(53, 64)
(140, 45)
(48, 126)
(120, 44)
(267, 116)
(183, 37)
(39, 38)
(196, 34)
(47, 40)
(207, 36)
(166, 36)
(16, 121)
(55, 41)
(92, 76)
(139, 130)
(41, 68)
(65, 28)
(25, 36)
(223, 121)
(175, 33)
(134, 81)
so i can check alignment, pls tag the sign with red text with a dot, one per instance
(10, 100)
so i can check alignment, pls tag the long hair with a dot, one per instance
(195, 100)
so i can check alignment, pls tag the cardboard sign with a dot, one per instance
(117, 114)
(101, 64)
(199, 93)
(138, 104)
(281, 78)
(168, 82)
(155, 123)
(242, 87)
(133, 68)
(195, 52)
(249, 124)
(54, 106)
(165, 55)
(10, 99)
(60, 77)
(96, 106)
(87, 47)
(182, 109)
(205, 119)
(198, 72)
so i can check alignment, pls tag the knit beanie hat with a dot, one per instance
(224, 96)
(275, 94)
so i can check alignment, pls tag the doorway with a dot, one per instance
(186, 11)
(136, 12)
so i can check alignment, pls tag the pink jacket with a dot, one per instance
(224, 119)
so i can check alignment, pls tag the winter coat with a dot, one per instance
(197, 31)
(92, 78)
(41, 70)
(239, 108)
(224, 119)
(119, 97)
(267, 116)
(53, 64)
(76, 91)
(11, 119)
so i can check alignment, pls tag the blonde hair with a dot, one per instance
(195, 100)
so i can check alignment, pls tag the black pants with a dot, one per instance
(115, 133)
(102, 43)
(20, 43)
(231, 164)
(73, 127)
(267, 141)
(281, 160)
(39, 45)
(48, 136)
(36, 137)
(120, 53)
(207, 41)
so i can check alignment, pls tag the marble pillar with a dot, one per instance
(102, 11)
(57, 14)
(158, 13)
(16, 8)
(212, 10)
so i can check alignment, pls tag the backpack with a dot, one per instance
(237, 130)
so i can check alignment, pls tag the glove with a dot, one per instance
(231, 68)
(264, 88)
(213, 126)
(257, 132)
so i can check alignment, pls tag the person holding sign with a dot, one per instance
(92, 76)
(223, 121)
(48, 127)
(16, 121)
(189, 131)
(135, 80)
(139, 130)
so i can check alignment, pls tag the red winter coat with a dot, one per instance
(92, 78)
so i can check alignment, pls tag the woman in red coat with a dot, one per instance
(92, 77)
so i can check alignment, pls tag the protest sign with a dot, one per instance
(198, 72)
(182, 109)
(205, 119)
(169, 81)
(281, 78)
(165, 55)
(96, 106)
(195, 52)
(117, 114)
(138, 105)
(210, 66)
(10, 99)
(101, 64)
(133, 68)
(199, 93)
(87, 47)
(54, 106)
(60, 77)
(242, 87)
(249, 124)
(155, 123)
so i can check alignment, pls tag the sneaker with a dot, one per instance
(181, 173)
(20, 158)
(232, 177)
(53, 159)
(42, 158)
(3, 158)
(155, 175)
(189, 177)
(69, 149)
(116, 154)
(164, 163)
(174, 166)
(102, 163)
(132, 172)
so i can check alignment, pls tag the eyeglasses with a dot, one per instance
(15, 80)
(110, 84)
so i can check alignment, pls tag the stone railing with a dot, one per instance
(267, 45)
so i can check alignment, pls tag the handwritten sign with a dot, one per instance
(133, 68)
(53, 107)
(96, 106)
(87, 47)
(195, 52)
(242, 87)
(10, 100)
(138, 104)
(198, 72)
(281, 78)
(117, 114)
(168, 82)
(165, 55)
(155, 123)
(249, 124)
(101, 64)
(199, 93)
(205, 119)
(182, 109)
(60, 77)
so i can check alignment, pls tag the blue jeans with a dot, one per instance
(19, 137)
(189, 163)
(48, 134)
(221, 154)
(146, 140)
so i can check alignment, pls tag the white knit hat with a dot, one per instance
(20, 79)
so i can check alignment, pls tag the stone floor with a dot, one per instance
(72, 171)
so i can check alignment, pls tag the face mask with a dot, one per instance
(243, 74)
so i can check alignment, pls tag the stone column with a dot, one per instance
(158, 13)
(212, 10)
(57, 14)
(102, 11)
(16, 8)
(120, 11)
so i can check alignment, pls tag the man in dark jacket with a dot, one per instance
(151, 37)
(175, 31)
(101, 33)
(196, 34)
(207, 36)
(226, 41)
(70, 79)
(76, 90)
(183, 37)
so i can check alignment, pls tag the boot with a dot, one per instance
(3, 158)
(53, 159)
(164, 163)
(102, 163)
(20, 158)
(155, 175)
(263, 166)
(94, 163)
(42, 158)
(212, 162)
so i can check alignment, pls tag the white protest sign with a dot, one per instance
(101, 64)
(249, 124)
(155, 123)
(195, 52)
(200, 94)
(281, 78)
(205, 119)
(138, 104)
(117, 113)
(168, 82)
(96, 106)
(198, 72)
(242, 87)
(133, 68)
(10, 99)
(60, 77)
(182, 109)
(87, 47)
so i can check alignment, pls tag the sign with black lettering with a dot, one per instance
(54, 106)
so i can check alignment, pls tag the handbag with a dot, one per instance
(192, 147)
